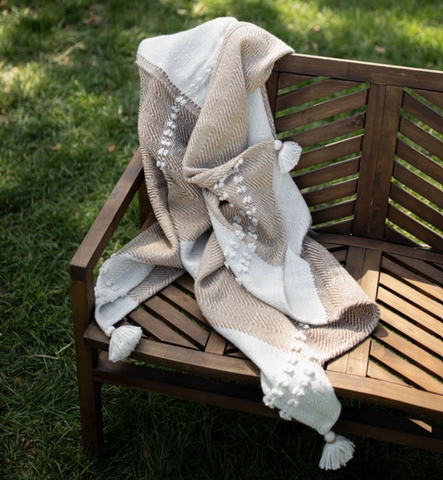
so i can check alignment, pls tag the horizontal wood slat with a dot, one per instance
(414, 374)
(342, 148)
(158, 328)
(184, 359)
(186, 282)
(417, 207)
(335, 212)
(420, 161)
(361, 71)
(321, 111)
(423, 113)
(183, 301)
(414, 227)
(312, 92)
(173, 317)
(421, 137)
(330, 173)
(342, 228)
(409, 329)
(330, 131)
(286, 80)
(420, 358)
(430, 323)
(329, 194)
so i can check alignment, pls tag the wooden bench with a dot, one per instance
(372, 173)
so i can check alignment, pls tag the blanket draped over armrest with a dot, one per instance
(229, 213)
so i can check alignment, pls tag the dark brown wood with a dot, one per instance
(385, 161)
(184, 359)
(328, 174)
(349, 146)
(329, 194)
(177, 320)
(418, 184)
(183, 301)
(361, 71)
(400, 366)
(419, 253)
(330, 131)
(434, 97)
(158, 329)
(421, 137)
(82, 300)
(321, 111)
(144, 205)
(415, 228)
(417, 207)
(369, 157)
(312, 92)
(286, 80)
(423, 113)
(394, 236)
(272, 89)
(420, 161)
(335, 212)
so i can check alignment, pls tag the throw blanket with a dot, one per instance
(230, 214)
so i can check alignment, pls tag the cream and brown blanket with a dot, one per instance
(230, 214)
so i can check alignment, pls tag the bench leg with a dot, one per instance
(82, 295)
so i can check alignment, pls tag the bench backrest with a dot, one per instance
(372, 137)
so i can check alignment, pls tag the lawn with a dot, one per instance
(69, 93)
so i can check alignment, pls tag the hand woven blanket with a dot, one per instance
(229, 213)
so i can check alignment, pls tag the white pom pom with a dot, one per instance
(336, 452)
(123, 341)
(288, 155)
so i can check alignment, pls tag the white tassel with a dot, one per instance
(336, 452)
(123, 341)
(288, 155)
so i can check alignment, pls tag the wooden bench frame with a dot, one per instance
(371, 210)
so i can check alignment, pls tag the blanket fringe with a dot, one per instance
(337, 452)
(288, 155)
(123, 341)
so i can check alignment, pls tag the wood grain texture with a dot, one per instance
(420, 161)
(312, 92)
(327, 174)
(356, 71)
(321, 111)
(423, 113)
(334, 212)
(329, 131)
(434, 97)
(333, 151)
(421, 137)
(329, 194)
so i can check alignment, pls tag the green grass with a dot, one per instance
(69, 91)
